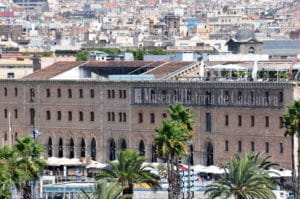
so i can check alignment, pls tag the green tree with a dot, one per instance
(244, 178)
(111, 51)
(6, 175)
(20, 164)
(81, 56)
(105, 190)
(30, 162)
(157, 51)
(128, 170)
(182, 114)
(291, 123)
(171, 143)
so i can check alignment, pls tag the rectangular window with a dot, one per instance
(48, 92)
(5, 91)
(267, 147)
(152, 118)
(120, 117)
(226, 145)
(58, 115)
(58, 92)
(164, 115)
(5, 113)
(226, 120)
(252, 121)
(16, 113)
(92, 116)
(80, 116)
(16, 92)
(32, 116)
(208, 122)
(108, 94)
(252, 146)
(80, 93)
(113, 116)
(281, 147)
(108, 116)
(124, 93)
(267, 121)
(92, 93)
(240, 120)
(70, 93)
(140, 118)
(240, 146)
(48, 115)
(70, 116)
(120, 94)
(124, 117)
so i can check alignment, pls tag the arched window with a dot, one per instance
(123, 144)
(49, 147)
(82, 151)
(142, 148)
(60, 148)
(209, 154)
(153, 154)
(72, 148)
(93, 149)
(251, 50)
(112, 150)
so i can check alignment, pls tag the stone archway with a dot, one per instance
(123, 144)
(93, 149)
(209, 154)
(72, 150)
(142, 148)
(82, 146)
(60, 148)
(49, 147)
(112, 149)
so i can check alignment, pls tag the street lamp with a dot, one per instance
(35, 134)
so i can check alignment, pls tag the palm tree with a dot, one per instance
(291, 123)
(6, 181)
(182, 114)
(171, 145)
(129, 170)
(30, 162)
(105, 190)
(244, 178)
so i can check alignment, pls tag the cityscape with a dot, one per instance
(190, 93)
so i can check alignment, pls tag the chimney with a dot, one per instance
(36, 62)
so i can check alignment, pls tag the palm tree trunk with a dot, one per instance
(170, 181)
(27, 191)
(128, 192)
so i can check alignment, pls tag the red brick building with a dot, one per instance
(96, 117)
